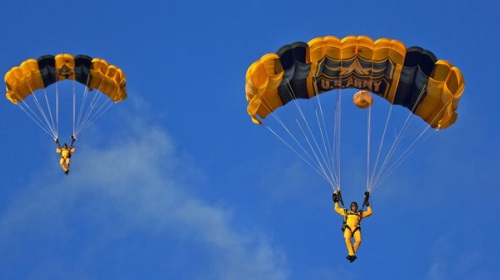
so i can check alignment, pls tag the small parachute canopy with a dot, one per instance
(363, 99)
(97, 85)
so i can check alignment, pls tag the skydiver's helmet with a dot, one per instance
(355, 205)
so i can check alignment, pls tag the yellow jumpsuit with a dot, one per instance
(65, 156)
(352, 228)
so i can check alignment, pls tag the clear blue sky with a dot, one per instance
(176, 182)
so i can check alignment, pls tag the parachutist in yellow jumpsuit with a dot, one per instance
(65, 153)
(351, 226)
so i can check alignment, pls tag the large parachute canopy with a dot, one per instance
(411, 78)
(33, 77)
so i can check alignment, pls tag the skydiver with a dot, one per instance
(65, 153)
(351, 226)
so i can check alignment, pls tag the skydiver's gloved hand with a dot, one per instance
(366, 201)
(73, 137)
(336, 196)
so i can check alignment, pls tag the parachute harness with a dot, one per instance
(346, 226)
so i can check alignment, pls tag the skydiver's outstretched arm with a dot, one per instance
(57, 142)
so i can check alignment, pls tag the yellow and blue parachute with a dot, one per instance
(28, 83)
(410, 78)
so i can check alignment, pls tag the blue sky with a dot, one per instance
(176, 182)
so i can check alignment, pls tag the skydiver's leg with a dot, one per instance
(348, 243)
(62, 163)
(357, 240)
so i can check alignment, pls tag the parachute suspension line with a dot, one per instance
(74, 109)
(325, 139)
(368, 141)
(368, 148)
(81, 108)
(89, 113)
(308, 135)
(337, 134)
(381, 143)
(57, 109)
(335, 145)
(397, 139)
(96, 108)
(282, 124)
(35, 118)
(338, 122)
(381, 176)
(54, 126)
(408, 151)
(304, 155)
(308, 162)
(47, 124)
(422, 137)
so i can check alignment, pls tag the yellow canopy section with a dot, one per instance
(109, 79)
(444, 90)
(22, 80)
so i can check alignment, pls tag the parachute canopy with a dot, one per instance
(35, 74)
(97, 85)
(419, 92)
(411, 77)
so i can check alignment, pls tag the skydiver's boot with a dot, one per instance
(351, 258)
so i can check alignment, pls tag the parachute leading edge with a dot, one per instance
(35, 74)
